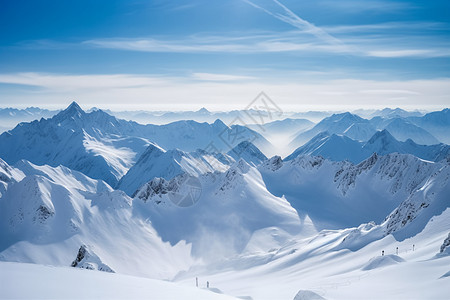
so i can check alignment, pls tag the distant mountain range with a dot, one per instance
(341, 147)
(429, 129)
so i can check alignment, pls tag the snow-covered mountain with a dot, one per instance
(10, 117)
(95, 143)
(332, 146)
(342, 263)
(156, 162)
(341, 147)
(248, 152)
(437, 123)
(49, 214)
(341, 194)
(190, 136)
(383, 142)
(287, 126)
(360, 129)
(103, 147)
(238, 229)
(395, 113)
(337, 217)
(402, 130)
(349, 124)
(232, 214)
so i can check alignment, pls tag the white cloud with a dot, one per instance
(219, 77)
(382, 46)
(179, 46)
(68, 82)
(134, 91)
(410, 53)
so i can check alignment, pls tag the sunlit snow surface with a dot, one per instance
(259, 228)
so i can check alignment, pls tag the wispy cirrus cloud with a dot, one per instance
(282, 13)
(375, 6)
(188, 45)
(388, 27)
(373, 46)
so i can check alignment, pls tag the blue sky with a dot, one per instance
(178, 55)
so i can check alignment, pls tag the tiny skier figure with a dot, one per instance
(207, 284)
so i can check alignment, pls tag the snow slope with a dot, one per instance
(303, 228)
(348, 263)
(46, 216)
(321, 265)
(232, 207)
(29, 281)
(243, 240)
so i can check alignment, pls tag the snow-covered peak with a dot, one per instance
(155, 162)
(73, 110)
(8, 175)
(219, 124)
(346, 117)
(203, 111)
(383, 142)
(249, 152)
(336, 147)
(357, 127)
(273, 164)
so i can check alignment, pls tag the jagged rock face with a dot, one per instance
(179, 189)
(308, 162)
(233, 177)
(374, 188)
(155, 187)
(273, 164)
(403, 172)
(428, 199)
(445, 245)
(87, 259)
